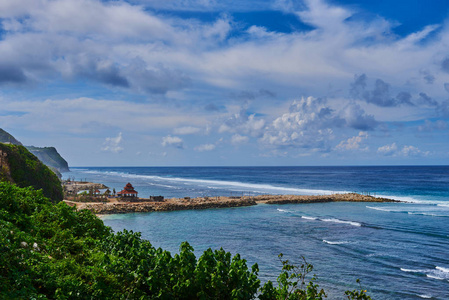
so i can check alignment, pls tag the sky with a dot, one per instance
(228, 83)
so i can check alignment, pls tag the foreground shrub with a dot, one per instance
(56, 252)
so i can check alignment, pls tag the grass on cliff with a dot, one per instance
(25, 169)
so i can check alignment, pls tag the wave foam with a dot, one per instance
(412, 270)
(425, 296)
(335, 243)
(255, 187)
(308, 218)
(342, 222)
(439, 273)
(445, 270)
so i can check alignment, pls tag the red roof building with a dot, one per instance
(128, 191)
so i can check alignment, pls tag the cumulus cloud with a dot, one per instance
(354, 143)
(181, 64)
(356, 117)
(388, 150)
(312, 123)
(205, 147)
(113, 144)
(308, 124)
(406, 151)
(173, 141)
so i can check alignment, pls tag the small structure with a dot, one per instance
(157, 198)
(128, 192)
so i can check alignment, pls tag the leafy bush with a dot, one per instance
(56, 252)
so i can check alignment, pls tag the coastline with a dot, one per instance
(174, 204)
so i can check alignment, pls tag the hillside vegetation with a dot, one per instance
(48, 155)
(24, 169)
(52, 251)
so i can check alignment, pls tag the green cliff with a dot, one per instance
(50, 157)
(47, 155)
(19, 166)
(5, 137)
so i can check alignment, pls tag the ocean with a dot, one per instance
(397, 250)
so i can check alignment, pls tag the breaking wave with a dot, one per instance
(335, 243)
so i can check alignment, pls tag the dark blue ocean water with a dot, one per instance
(398, 250)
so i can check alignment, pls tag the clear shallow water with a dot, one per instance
(398, 250)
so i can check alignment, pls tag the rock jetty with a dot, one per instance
(145, 205)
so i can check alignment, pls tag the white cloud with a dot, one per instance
(242, 122)
(113, 144)
(173, 141)
(239, 139)
(406, 151)
(413, 151)
(388, 150)
(205, 147)
(176, 66)
(354, 143)
(186, 130)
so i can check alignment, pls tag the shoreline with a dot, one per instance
(176, 204)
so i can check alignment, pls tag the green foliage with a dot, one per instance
(26, 170)
(292, 283)
(50, 251)
(357, 295)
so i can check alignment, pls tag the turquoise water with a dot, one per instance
(398, 250)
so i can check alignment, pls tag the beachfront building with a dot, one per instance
(128, 192)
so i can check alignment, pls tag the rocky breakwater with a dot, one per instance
(288, 199)
(167, 205)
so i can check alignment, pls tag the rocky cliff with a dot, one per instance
(50, 157)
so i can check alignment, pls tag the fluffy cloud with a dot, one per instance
(406, 151)
(173, 141)
(388, 150)
(242, 122)
(176, 75)
(113, 144)
(311, 123)
(354, 143)
(237, 139)
(308, 124)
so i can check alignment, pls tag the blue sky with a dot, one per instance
(206, 82)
